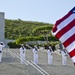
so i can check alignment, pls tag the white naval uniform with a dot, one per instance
(64, 57)
(35, 55)
(22, 54)
(1, 47)
(50, 57)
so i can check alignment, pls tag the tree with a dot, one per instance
(21, 40)
(44, 31)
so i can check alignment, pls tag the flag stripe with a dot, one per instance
(72, 53)
(63, 18)
(59, 21)
(67, 35)
(69, 41)
(73, 59)
(64, 23)
(70, 47)
(65, 29)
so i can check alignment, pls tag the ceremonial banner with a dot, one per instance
(64, 30)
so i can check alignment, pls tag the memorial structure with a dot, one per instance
(2, 27)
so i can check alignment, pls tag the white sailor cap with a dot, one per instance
(1, 42)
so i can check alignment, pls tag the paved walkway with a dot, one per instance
(13, 67)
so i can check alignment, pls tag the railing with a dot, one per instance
(15, 55)
(31, 63)
(39, 68)
(43, 72)
(9, 53)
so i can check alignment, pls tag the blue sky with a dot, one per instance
(47, 11)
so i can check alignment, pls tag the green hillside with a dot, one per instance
(19, 28)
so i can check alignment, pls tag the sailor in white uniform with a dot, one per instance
(22, 53)
(64, 56)
(1, 48)
(35, 54)
(50, 57)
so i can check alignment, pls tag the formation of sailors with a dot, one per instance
(35, 51)
(35, 54)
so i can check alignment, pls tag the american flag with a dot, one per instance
(64, 30)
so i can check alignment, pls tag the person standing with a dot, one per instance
(50, 57)
(22, 53)
(1, 48)
(35, 54)
(64, 56)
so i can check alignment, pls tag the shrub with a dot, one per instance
(13, 45)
